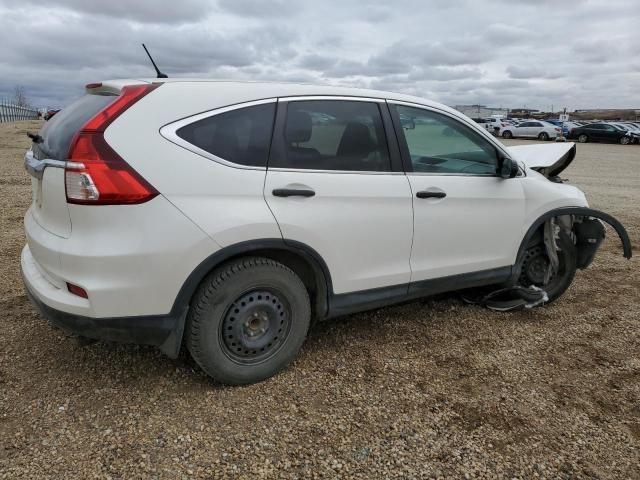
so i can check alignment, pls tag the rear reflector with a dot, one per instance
(95, 174)
(76, 290)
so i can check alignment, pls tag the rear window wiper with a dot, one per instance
(35, 137)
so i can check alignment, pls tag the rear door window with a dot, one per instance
(334, 135)
(241, 136)
(58, 132)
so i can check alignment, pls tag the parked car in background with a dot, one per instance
(601, 132)
(50, 113)
(567, 126)
(531, 129)
(495, 124)
(630, 127)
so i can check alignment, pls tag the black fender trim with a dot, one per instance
(582, 211)
(313, 258)
(212, 261)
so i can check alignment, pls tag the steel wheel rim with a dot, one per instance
(255, 326)
(534, 268)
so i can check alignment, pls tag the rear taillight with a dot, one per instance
(95, 174)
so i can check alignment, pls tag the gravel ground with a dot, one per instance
(422, 390)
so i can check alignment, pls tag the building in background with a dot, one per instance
(481, 111)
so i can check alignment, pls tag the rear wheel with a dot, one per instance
(582, 138)
(543, 136)
(536, 262)
(248, 320)
(625, 140)
(507, 134)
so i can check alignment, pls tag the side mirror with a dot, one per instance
(507, 168)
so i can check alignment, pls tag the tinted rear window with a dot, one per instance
(59, 131)
(240, 136)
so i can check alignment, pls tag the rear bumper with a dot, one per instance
(163, 331)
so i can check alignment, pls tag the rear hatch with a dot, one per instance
(49, 205)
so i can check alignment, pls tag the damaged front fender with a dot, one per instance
(588, 249)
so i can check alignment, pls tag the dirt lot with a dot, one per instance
(427, 389)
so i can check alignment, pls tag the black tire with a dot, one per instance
(544, 136)
(273, 317)
(625, 140)
(561, 281)
(507, 134)
(583, 138)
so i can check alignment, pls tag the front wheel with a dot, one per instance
(544, 136)
(625, 140)
(248, 320)
(583, 138)
(536, 263)
(507, 134)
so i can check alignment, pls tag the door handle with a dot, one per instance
(293, 192)
(430, 194)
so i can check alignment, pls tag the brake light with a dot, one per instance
(95, 174)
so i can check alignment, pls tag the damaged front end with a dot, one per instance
(548, 160)
(555, 246)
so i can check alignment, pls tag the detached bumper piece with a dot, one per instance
(509, 299)
(162, 331)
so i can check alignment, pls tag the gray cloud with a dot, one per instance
(144, 11)
(259, 8)
(507, 52)
(532, 71)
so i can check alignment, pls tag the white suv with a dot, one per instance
(229, 215)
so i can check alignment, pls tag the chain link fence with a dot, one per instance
(13, 113)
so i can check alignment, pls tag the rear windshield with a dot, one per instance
(58, 132)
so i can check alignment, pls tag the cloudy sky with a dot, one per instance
(510, 53)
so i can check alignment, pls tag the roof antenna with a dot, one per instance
(159, 73)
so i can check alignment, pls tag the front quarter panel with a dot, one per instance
(542, 195)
